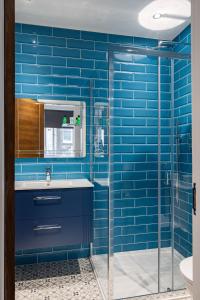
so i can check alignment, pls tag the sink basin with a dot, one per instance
(102, 181)
(53, 184)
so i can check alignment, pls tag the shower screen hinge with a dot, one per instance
(194, 197)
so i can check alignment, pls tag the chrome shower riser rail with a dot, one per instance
(147, 51)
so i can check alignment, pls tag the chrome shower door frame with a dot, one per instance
(149, 52)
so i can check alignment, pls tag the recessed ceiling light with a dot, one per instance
(157, 16)
(163, 15)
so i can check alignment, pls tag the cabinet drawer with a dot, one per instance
(53, 203)
(52, 232)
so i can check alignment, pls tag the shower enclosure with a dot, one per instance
(142, 171)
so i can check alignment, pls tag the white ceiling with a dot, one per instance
(108, 16)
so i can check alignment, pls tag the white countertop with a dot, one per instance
(102, 181)
(53, 184)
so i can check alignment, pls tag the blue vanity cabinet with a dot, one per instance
(53, 217)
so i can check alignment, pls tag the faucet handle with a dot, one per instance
(48, 170)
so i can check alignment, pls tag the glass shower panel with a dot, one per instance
(99, 144)
(134, 174)
(182, 201)
(175, 217)
(166, 95)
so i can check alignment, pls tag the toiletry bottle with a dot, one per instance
(64, 121)
(78, 120)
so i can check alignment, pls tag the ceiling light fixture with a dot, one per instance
(164, 15)
(157, 16)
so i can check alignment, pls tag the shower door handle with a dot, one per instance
(194, 198)
(168, 178)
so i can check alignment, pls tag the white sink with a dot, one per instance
(53, 184)
(102, 181)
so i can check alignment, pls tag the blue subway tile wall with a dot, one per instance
(134, 152)
(183, 126)
(55, 63)
(51, 254)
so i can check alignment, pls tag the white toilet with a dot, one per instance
(186, 268)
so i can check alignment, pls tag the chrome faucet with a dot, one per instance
(48, 175)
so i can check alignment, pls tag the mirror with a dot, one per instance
(48, 128)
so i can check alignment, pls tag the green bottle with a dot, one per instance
(64, 121)
(78, 120)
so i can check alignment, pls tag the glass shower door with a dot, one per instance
(175, 216)
(150, 172)
(143, 213)
(100, 168)
(134, 173)
(182, 203)
(168, 262)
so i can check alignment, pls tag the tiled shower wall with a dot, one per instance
(54, 63)
(183, 123)
(134, 136)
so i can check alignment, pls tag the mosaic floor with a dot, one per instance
(65, 280)
(68, 280)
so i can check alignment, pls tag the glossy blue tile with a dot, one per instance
(25, 58)
(51, 41)
(66, 71)
(18, 48)
(36, 89)
(18, 27)
(133, 68)
(35, 49)
(18, 68)
(66, 33)
(94, 36)
(145, 42)
(80, 82)
(66, 91)
(55, 80)
(80, 63)
(35, 69)
(51, 61)
(80, 44)
(120, 39)
(34, 29)
(64, 52)
(24, 78)
(56, 256)
(26, 38)
(98, 55)
(18, 88)
(101, 65)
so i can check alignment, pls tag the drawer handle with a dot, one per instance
(46, 227)
(43, 198)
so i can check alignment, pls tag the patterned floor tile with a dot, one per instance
(68, 280)
(65, 280)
